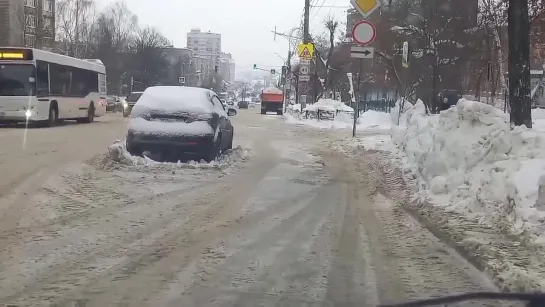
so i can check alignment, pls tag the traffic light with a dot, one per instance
(255, 66)
(273, 71)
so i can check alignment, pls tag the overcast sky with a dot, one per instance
(245, 25)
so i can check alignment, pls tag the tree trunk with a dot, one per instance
(519, 63)
(478, 85)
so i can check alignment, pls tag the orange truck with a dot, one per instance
(272, 100)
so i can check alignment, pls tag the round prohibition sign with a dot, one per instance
(364, 32)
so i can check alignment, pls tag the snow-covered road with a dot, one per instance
(295, 224)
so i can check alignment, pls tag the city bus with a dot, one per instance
(41, 86)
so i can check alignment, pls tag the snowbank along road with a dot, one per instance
(282, 221)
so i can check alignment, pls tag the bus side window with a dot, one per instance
(56, 79)
(42, 76)
(84, 82)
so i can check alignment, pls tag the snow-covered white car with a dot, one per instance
(178, 121)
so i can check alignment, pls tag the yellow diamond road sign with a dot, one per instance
(305, 51)
(365, 7)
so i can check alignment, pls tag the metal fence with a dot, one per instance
(380, 105)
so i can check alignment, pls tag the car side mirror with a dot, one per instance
(231, 112)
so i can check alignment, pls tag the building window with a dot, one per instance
(30, 40)
(48, 27)
(30, 3)
(48, 5)
(30, 21)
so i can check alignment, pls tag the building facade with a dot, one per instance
(205, 44)
(204, 69)
(227, 67)
(28, 23)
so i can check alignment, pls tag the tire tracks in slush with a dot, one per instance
(72, 276)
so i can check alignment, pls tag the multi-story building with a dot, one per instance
(227, 67)
(29, 23)
(204, 69)
(205, 44)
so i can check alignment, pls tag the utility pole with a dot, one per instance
(519, 63)
(306, 34)
(305, 86)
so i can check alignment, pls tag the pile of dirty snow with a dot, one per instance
(118, 153)
(329, 105)
(368, 121)
(472, 162)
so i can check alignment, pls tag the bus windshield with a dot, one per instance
(15, 79)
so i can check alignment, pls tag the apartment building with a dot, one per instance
(205, 44)
(204, 68)
(29, 23)
(227, 67)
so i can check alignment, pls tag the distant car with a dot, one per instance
(177, 121)
(110, 104)
(243, 104)
(130, 102)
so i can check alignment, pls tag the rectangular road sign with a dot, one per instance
(304, 78)
(362, 52)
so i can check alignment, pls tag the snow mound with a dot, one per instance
(328, 105)
(368, 121)
(375, 120)
(118, 154)
(470, 154)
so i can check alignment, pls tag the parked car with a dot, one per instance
(448, 98)
(243, 104)
(130, 102)
(170, 122)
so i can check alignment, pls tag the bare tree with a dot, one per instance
(519, 63)
(122, 24)
(75, 26)
(331, 25)
(149, 62)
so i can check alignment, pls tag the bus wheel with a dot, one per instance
(53, 116)
(90, 113)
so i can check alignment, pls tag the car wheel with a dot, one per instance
(230, 146)
(213, 152)
(280, 112)
(53, 117)
(90, 113)
(263, 112)
(132, 150)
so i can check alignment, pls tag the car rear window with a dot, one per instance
(134, 97)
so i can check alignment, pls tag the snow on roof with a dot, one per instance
(272, 90)
(329, 105)
(176, 98)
